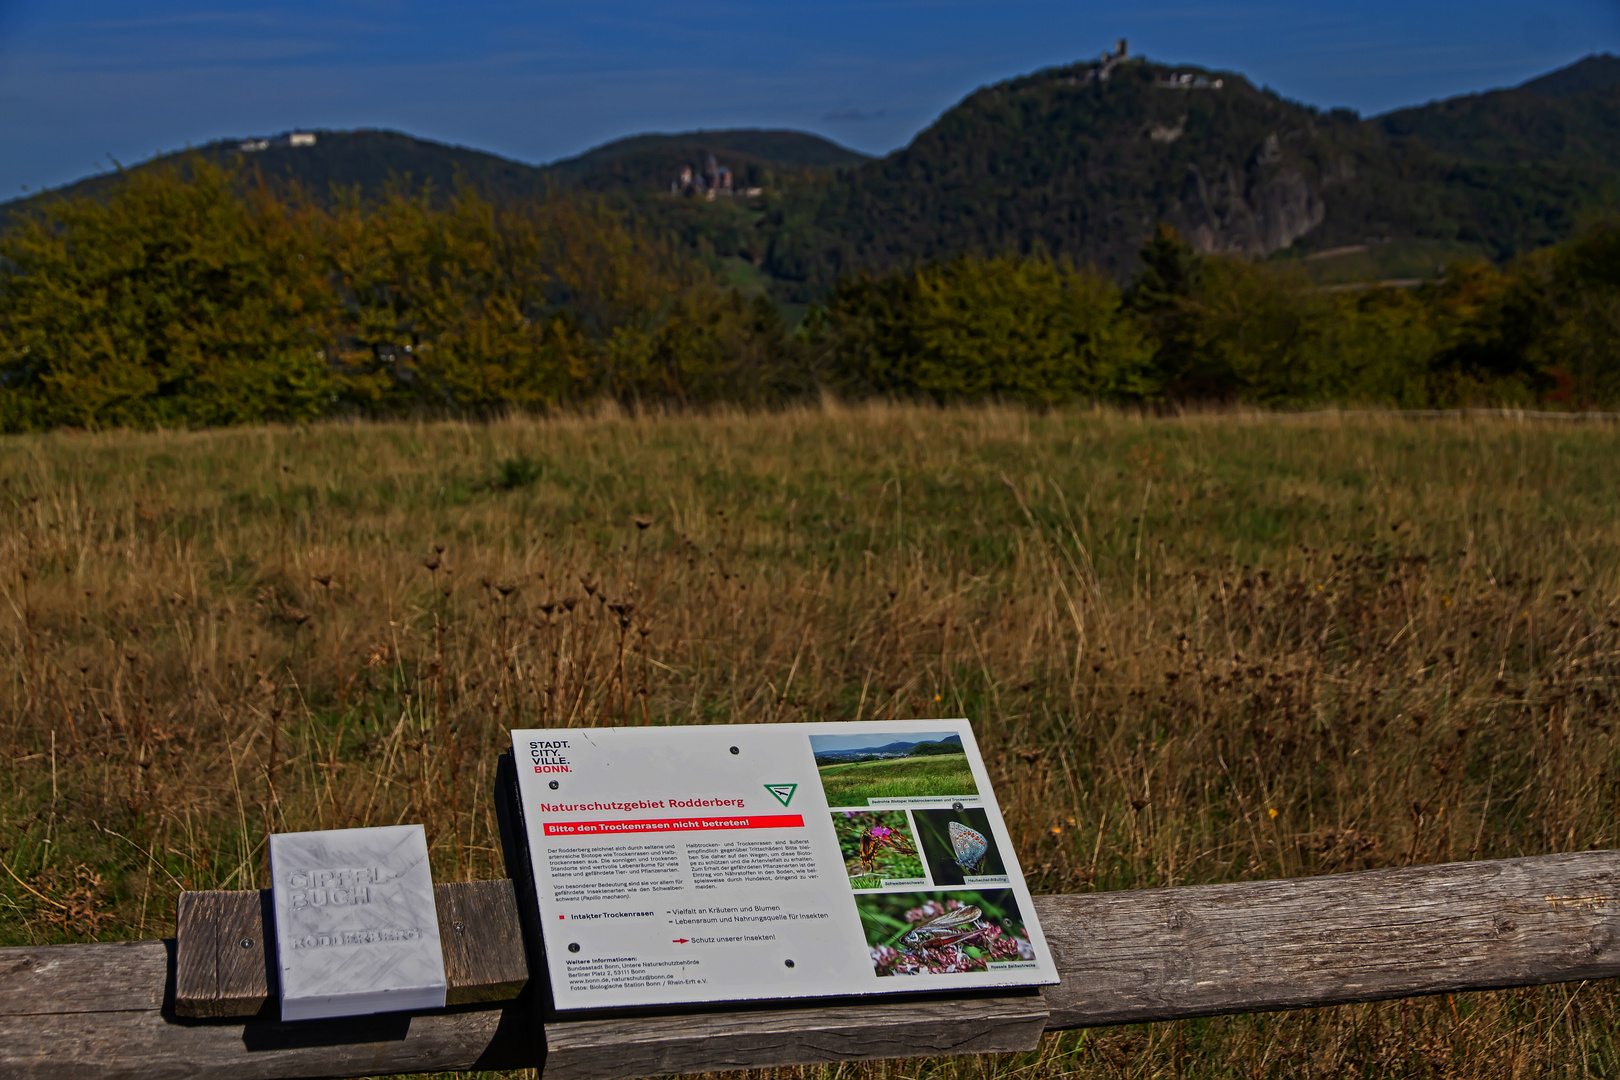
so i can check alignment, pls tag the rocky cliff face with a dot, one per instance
(1253, 215)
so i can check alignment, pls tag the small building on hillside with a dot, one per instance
(713, 180)
(290, 139)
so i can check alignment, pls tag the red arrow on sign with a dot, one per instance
(681, 940)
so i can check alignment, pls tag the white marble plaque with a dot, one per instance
(357, 931)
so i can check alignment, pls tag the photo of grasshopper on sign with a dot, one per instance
(771, 861)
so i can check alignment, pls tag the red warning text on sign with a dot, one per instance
(604, 828)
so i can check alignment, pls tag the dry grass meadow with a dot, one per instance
(1195, 649)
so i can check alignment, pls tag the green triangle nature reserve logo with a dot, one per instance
(783, 792)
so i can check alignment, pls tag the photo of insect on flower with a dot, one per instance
(876, 844)
(958, 844)
(941, 933)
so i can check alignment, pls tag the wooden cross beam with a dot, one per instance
(110, 1010)
(223, 968)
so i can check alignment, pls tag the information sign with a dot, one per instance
(727, 863)
(357, 930)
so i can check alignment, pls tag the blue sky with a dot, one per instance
(82, 81)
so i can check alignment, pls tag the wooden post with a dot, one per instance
(224, 953)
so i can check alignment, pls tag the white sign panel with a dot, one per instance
(691, 864)
(357, 930)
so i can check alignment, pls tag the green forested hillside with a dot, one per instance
(370, 160)
(1075, 165)
(1066, 162)
(366, 160)
(1569, 117)
(648, 162)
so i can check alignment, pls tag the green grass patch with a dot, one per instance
(916, 778)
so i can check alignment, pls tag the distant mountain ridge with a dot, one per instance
(1080, 161)
(950, 744)
(369, 158)
(1569, 117)
(1595, 72)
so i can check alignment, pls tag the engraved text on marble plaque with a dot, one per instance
(356, 927)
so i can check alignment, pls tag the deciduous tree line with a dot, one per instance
(189, 298)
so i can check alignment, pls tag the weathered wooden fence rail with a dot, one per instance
(106, 1011)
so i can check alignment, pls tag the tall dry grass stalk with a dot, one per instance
(1194, 650)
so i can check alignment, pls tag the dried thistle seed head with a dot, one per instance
(548, 606)
(505, 588)
(590, 586)
(438, 549)
(431, 564)
(570, 602)
(644, 521)
(324, 580)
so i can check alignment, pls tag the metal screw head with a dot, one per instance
(734, 750)
(787, 963)
(554, 785)
(247, 943)
(573, 947)
(459, 927)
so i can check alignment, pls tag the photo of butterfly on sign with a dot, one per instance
(958, 848)
(878, 848)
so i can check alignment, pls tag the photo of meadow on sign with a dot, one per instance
(917, 766)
